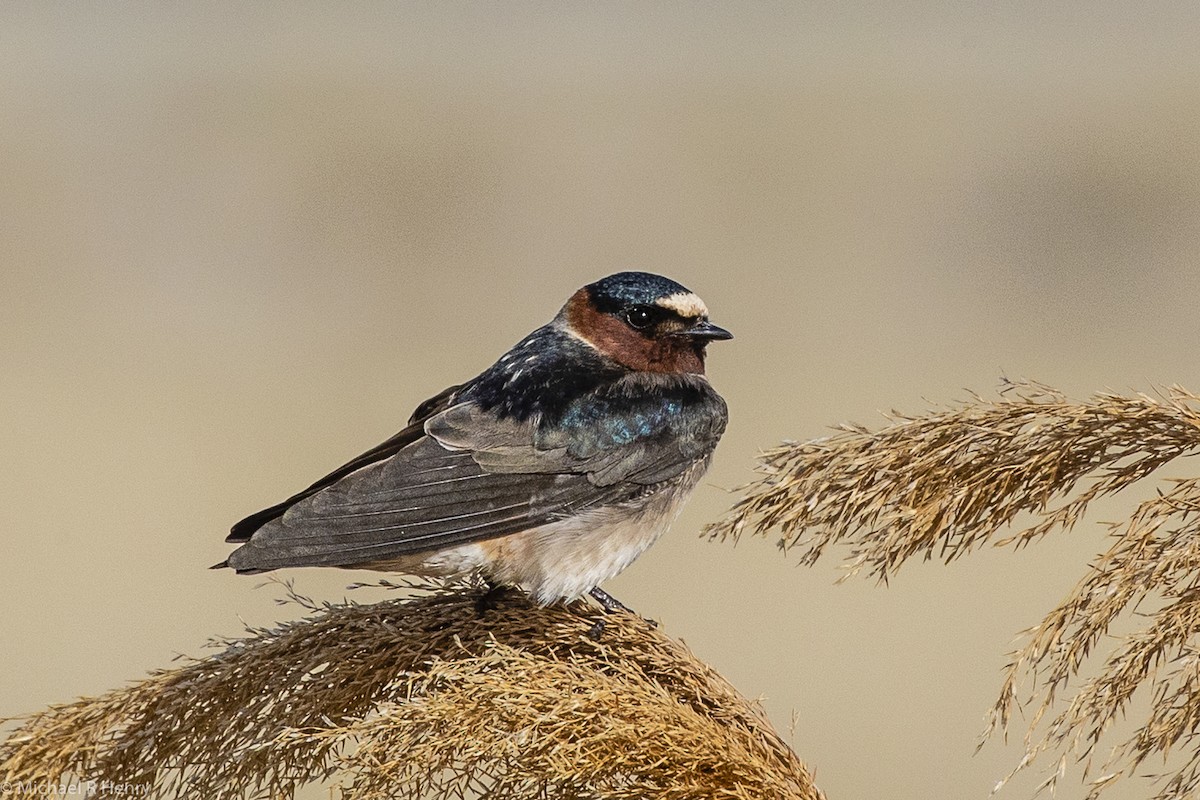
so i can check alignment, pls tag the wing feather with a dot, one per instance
(243, 530)
(470, 475)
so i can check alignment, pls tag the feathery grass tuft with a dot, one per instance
(1154, 560)
(429, 697)
(945, 483)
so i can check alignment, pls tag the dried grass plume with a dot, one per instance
(1010, 471)
(429, 697)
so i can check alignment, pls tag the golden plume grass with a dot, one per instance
(1010, 471)
(432, 697)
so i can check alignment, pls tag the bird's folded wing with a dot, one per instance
(472, 477)
(424, 498)
(428, 496)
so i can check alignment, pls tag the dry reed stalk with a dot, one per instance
(947, 482)
(428, 697)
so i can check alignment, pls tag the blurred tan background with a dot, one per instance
(239, 243)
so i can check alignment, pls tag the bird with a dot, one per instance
(549, 472)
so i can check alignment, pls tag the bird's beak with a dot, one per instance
(705, 330)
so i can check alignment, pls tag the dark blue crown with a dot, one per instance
(630, 288)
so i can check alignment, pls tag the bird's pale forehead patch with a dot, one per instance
(685, 304)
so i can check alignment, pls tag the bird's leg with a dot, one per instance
(611, 604)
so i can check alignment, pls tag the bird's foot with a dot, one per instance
(490, 599)
(611, 605)
(597, 630)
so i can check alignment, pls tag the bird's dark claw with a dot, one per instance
(597, 630)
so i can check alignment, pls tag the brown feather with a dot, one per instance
(613, 337)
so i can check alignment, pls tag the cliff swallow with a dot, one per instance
(552, 470)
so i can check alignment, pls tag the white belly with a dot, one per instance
(564, 560)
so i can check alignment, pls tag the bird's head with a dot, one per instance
(643, 321)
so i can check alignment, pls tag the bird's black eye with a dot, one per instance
(639, 317)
